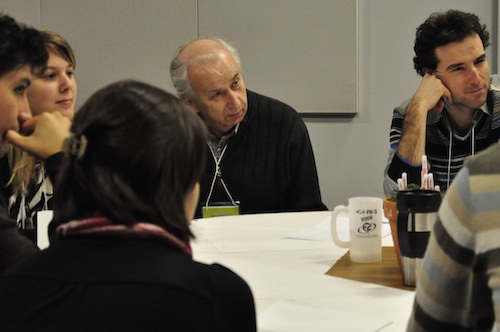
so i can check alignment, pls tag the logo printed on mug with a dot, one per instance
(367, 228)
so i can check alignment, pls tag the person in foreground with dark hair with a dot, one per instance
(450, 57)
(22, 57)
(120, 258)
(459, 283)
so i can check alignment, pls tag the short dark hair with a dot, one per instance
(145, 152)
(442, 28)
(20, 46)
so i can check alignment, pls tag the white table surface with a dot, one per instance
(287, 274)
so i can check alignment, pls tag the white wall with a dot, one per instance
(25, 11)
(350, 152)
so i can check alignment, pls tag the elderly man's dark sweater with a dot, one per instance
(269, 164)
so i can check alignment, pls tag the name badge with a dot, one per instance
(220, 210)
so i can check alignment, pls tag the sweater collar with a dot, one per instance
(101, 226)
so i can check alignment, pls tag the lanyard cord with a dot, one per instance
(449, 159)
(218, 173)
(473, 142)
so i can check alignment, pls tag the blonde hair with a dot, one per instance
(21, 163)
(58, 45)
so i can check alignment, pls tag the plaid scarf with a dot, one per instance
(104, 227)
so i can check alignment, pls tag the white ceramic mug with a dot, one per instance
(365, 228)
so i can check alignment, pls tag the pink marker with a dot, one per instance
(431, 181)
(400, 184)
(424, 172)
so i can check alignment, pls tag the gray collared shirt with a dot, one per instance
(217, 145)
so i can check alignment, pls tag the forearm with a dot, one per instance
(427, 97)
(396, 163)
(412, 144)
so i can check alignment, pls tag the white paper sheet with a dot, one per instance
(239, 234)
(286, 317)
(42, 229)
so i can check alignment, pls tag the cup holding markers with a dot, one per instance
(365, 228)
(426, 178)
(416, 213)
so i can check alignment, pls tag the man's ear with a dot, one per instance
(426, 70)
(189, 103)
(184, 99)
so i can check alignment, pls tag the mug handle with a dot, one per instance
(335, 237)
